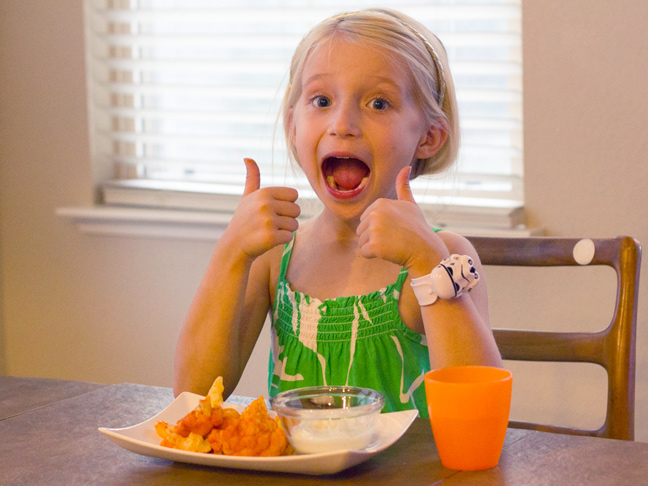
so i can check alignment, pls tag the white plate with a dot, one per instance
(142, 439)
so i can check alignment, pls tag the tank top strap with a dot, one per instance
(398, 285)
(285, 258)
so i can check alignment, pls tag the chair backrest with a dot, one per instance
(613, 348)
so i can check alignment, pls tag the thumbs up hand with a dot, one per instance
(403, 189)
(265, 217)
(396, 230)
(252, 177)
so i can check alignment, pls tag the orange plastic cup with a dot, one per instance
(469, 410)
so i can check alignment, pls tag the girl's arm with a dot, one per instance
(232, 300)
(457, 330)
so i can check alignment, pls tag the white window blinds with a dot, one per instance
(182, 90)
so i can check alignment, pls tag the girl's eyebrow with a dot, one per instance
(375, 79)
(313, 78)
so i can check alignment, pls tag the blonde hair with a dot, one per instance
(405, 38)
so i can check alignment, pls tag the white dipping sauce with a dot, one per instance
(310, 437)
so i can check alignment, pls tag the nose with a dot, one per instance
(345, 120)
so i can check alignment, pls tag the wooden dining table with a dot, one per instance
(49, 435)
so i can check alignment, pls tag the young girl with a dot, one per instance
(370, 105)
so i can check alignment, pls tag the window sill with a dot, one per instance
(196, 225)
(151, 223)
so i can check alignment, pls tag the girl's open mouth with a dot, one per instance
(345, 176)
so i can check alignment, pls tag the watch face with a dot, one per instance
(451, 278)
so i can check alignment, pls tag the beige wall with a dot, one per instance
(586, 140)
(108, 309)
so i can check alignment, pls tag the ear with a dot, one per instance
(432, 141)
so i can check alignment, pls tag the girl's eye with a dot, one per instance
(321, 101)
(379, 104)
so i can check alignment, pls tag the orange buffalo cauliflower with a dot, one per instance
(212, 428)
(254, 433)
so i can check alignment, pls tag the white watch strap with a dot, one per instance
(451, 278)
(424, 290)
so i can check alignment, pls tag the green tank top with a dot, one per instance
(356, 341)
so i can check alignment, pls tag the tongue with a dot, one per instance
(348, 173)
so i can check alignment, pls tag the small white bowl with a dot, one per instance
(328, 418)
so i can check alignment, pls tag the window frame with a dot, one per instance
(174, 201)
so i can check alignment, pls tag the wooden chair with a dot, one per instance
(613, 348)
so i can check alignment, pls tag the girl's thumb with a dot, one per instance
(253, 177)
(403, 190)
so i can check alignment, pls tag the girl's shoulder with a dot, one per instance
(271, 262)
(272, 259)
(456, 243)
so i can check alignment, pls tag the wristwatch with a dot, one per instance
(451, 278)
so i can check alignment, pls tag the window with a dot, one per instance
(182, 90)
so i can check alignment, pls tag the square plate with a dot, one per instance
(142, 439)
